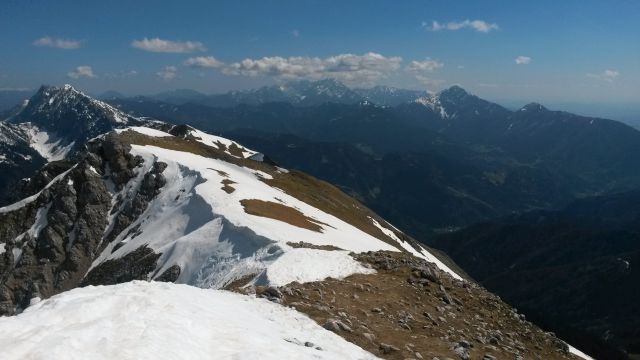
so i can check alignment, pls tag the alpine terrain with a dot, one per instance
(151, 240)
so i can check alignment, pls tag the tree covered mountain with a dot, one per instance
(573, 269)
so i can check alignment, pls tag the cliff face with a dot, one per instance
(51, 238)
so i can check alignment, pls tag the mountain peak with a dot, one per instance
(67, 112)
(454, 91)
(533, 107)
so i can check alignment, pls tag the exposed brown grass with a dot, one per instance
(236, 150)
(280, 212)
(239, 284)
(306, 245)
(329, 199)
(227, 186)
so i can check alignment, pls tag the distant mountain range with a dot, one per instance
(506, 160)
(299, 93)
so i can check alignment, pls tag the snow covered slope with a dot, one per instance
(202, 222)
(175, 204)
(151, 320)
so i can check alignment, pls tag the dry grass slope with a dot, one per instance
(280, 212)
(399, 313)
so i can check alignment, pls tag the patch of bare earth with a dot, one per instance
(411, 309)
(280, 212)
(306, 245)
(226, 186)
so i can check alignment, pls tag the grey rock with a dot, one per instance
(388, 349)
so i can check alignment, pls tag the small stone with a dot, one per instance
(369, 336)
(332, 325)
(388, 349)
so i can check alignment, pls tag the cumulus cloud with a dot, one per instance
(350, 68)
(522, 60)
(204, 62)
(607, 75)
(167, 46)
(426, 65)
(82, 71)
(168, 73)
(477, 25)
(48, 41)
(420, 69)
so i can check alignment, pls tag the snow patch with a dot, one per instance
(423, 253)
(212, 140)
(306, 265)
(153, 320)
(579, 353)
(39, 223)
(145, 131)
(47, 144)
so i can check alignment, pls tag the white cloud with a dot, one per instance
(428, 82)
(356, 69)
(295, 33)
(82, 71)
(204, 62)
(522, 60)
(426, 65)
(168, 73)
(167, 46)
(420, 68)
(48, 41)
(477, 25)
(607, 75)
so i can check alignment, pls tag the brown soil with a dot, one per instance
(305, 245)
(280, 212)
(236, 150)
(399, 313)
(227, 186)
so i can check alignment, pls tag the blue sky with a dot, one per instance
(578, 51)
